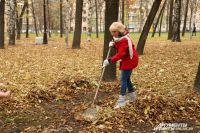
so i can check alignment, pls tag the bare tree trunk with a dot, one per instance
(67, 20)
(177, 21)
(146, 8)
(27, 20)
(197, 80)
(61, 20)
(185, 18)
(34, 18)
(49, 18)
(100, 7)
(167, 16)
(147, 26)
(45, 40)
(122, 11)
(161, 11)
(89, 22)
(11, 22)
(19, 21)
(170, 31)
(191, 17)
(111, 15)
(71, 17)
(100, 25)
(78, 25)
(2, 11)
(141, 17)
(161, 22)
(97, 19)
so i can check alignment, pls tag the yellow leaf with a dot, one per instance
(197, 123)
(147, 110)
(181, 108)
(27, 76)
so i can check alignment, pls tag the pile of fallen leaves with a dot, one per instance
(53, 85)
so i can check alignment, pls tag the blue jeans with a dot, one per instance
(126, 82)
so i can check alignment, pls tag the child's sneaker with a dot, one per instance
(132, 97)
(120, 102)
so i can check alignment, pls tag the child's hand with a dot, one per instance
(111, 44)
(105, 63)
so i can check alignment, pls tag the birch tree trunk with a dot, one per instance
(11, 22)
(89, 22)
(146, 8)
(141, 16)
(193, 9)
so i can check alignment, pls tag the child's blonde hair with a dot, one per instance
(117, 26)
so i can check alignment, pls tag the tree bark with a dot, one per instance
(161, 20)
(61, 20)
(2, 11)
(27, 20)
(147, 26)
(11, 22)
(161, 12)
(67, 20)
(111, 15)
(146, 8)
(197, 80)
(122, 11)
(185, 18)
(191, 17)
(141, 17)
(97, 19)
(45, 40)
(34, 18)
(177, 22)
(167, 17)
(49, 18)
(170, 31)
(78, 25)
(19, 21)
(89, 22)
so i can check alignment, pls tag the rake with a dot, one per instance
(92, 112)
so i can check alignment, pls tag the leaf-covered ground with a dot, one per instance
(53, 85)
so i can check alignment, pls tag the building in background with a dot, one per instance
(135, 14)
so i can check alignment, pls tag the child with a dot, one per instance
(4, 94)
(128, 57)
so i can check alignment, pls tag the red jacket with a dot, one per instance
(122, 54)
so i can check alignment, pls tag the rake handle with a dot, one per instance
(97, 90)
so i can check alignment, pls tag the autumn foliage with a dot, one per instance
(52, 85)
